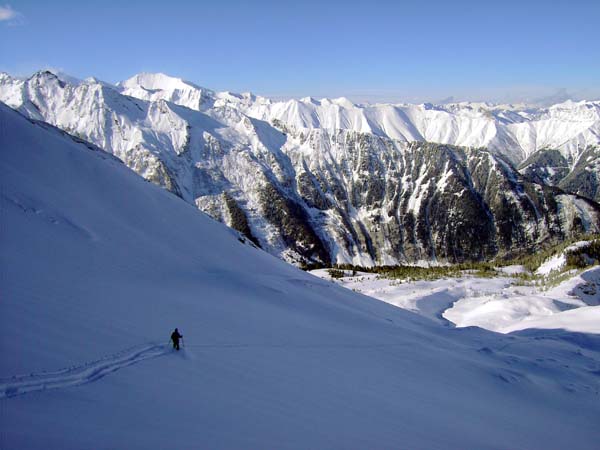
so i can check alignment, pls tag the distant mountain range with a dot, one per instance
(333, 182)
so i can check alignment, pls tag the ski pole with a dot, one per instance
(182, 342)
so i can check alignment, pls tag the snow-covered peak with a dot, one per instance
(343, 101)
(158, 86)
(44, 76)
(157, 81)
(5, 77)
(94, 80)
(310, 100)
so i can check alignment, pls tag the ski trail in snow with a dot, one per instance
(77, 375)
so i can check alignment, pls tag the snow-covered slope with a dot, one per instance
(98, 266)
(328, 181)
(558, 261)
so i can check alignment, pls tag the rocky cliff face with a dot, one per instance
(323, 194)
(392, 202)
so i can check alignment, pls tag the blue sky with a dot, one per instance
(370, 50)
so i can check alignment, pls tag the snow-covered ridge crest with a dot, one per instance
(515, 131)
(568, 126)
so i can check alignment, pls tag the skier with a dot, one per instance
(175, 336)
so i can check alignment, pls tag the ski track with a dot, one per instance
(95, 370)
(78, 375)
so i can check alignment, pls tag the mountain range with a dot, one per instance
(328, 181)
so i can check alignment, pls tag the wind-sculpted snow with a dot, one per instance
(94, 260)
(78, 375)
(328, 181)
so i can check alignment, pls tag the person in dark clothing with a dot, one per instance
(175, 336)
